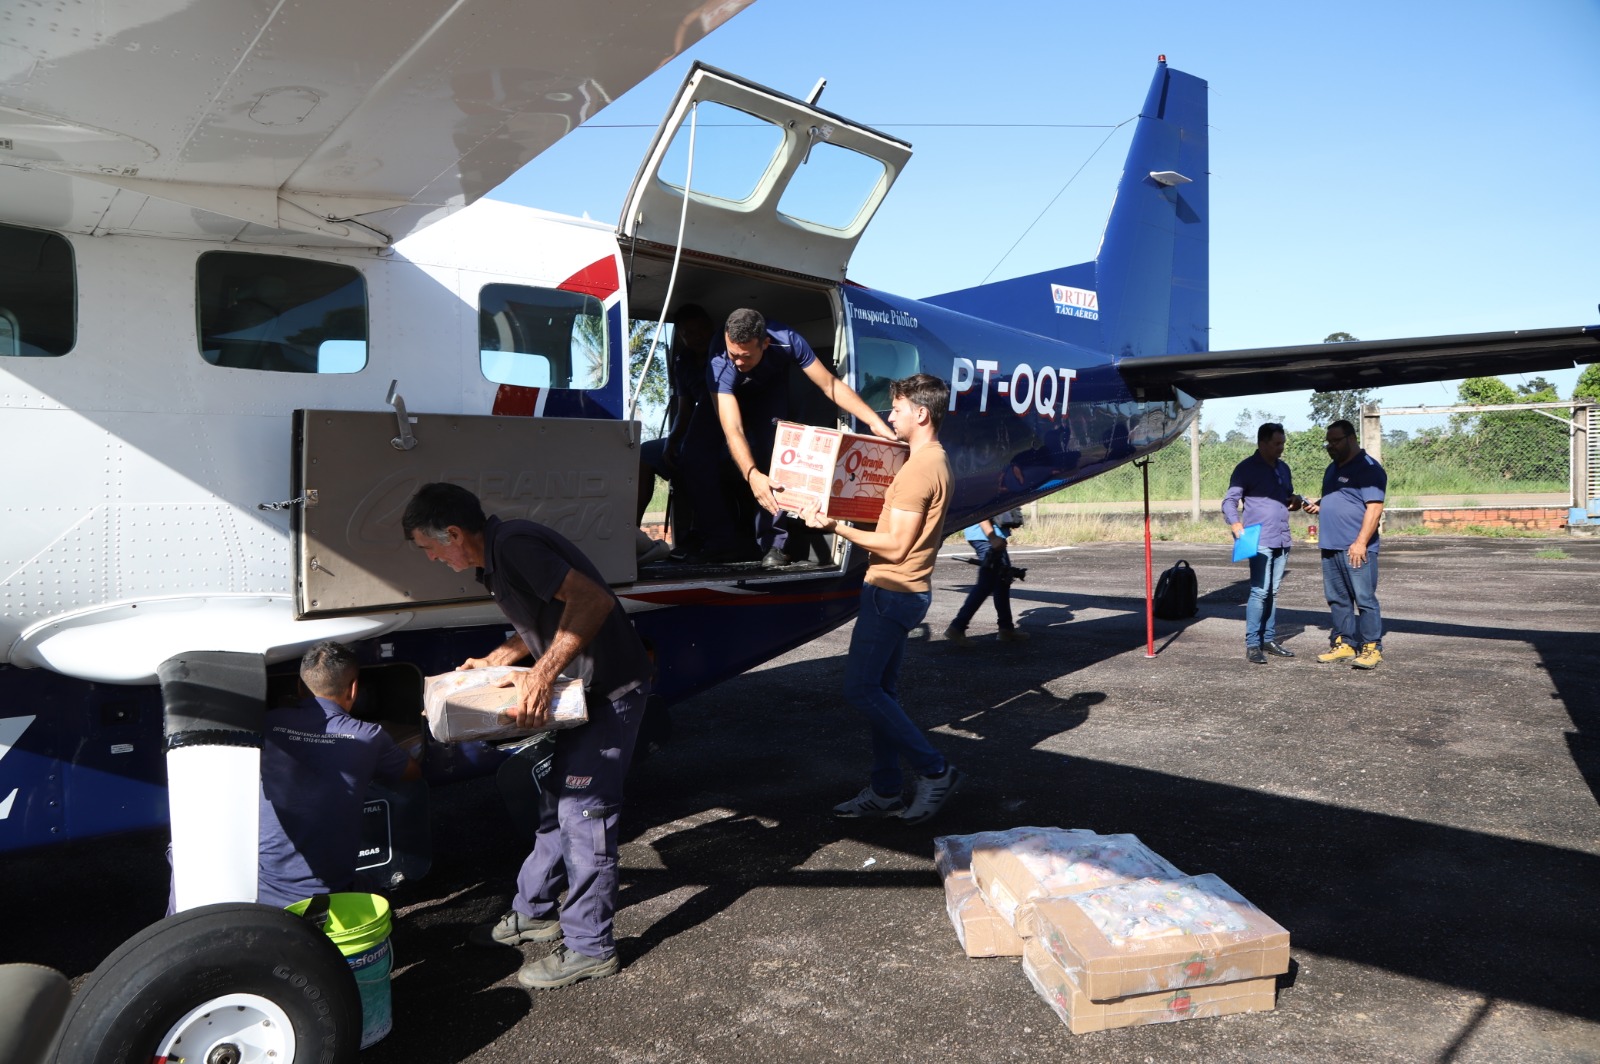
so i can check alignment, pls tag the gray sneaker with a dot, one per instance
(931, 794)
(869, 803)
(513, 929)
(563, 967)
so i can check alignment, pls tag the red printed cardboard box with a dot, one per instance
(1148, 936)
(1081, 1015)
(847, 474)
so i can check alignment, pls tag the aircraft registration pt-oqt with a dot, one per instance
(205, 300)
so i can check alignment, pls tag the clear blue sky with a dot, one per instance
(1383, 169)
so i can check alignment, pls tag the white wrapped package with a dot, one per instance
(469, 704)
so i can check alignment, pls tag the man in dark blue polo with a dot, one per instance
(568, 619)
(749, 384)
(1353, 490)
(1261, 492)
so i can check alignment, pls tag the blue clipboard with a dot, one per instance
(1248, 543)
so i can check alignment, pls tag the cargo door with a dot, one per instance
(576, 475)
(772, 181)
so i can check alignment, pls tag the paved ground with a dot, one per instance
(1427, 832)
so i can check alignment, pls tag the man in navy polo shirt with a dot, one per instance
(749, 384)
(570, 621)
(1261, 492)
(1353, 490)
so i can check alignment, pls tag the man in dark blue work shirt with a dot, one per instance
(1353, 490)
(749, 384)
(1264, 486)
(316, 763)
(568, 619)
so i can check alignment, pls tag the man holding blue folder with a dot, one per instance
(1260, 496)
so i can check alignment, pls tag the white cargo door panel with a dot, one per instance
(773, 181)
(576, 475)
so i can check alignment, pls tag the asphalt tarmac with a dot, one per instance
(1428, 832)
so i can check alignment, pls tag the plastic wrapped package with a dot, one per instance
(980, 930)
(1081, 1015)
(1023, 864)
(468, 705)
(1153, 935)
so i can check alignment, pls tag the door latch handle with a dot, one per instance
(405, 441)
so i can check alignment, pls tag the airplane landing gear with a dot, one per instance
(222, 984)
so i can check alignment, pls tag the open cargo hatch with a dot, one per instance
(577, 476)
(774, 182)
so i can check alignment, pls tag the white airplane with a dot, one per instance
(250, 301)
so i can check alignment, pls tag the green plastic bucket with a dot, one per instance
(359, 925)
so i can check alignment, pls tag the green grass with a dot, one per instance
(1553, 553)
(1407, 502)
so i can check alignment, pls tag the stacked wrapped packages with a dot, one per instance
(1109, 932)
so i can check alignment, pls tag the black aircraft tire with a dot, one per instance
(157, 977)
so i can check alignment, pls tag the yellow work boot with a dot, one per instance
(1340, 651)
(1369, 657)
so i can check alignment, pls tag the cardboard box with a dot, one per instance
(1024, 864)
(1081, 1015)
(466, 705)
(1149, 936)
(845, 473)
(981, 931)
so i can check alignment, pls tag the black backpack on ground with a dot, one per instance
(1177, 593)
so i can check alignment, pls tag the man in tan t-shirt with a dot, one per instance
(894, 600)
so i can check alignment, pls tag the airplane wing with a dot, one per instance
(336, 122)
(1360, 363)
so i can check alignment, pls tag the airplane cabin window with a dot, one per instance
(286, 315)
(833, 188)
(541, 337)
(38, 293)
(879, 363)
(733, 150)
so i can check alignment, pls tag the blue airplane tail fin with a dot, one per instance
(1147, 291)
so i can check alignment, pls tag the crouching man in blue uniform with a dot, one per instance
(572, 624)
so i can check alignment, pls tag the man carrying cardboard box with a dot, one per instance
(749, 382)
(566, 615)
(894, 599)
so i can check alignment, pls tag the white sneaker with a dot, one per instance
(931, 794)
(869, 803)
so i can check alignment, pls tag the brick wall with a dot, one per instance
(1532, 518)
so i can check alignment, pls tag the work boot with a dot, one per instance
(1369, 657)
(869, 803)
(513, 929)
(775, 559)
(955, 635)
(1340, 651)
(1013, 635)
(563, 967)
(931, 794)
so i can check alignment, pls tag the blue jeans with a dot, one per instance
(871, 672)
(988, 583)
(1261, 611)
(1350, 589)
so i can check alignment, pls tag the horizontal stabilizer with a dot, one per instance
(1361, 363)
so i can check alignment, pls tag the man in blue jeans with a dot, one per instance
(1261, 492)
(894, 599)
(1353, 490)
(994, 578)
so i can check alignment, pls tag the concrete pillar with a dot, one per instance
(1372, 430)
